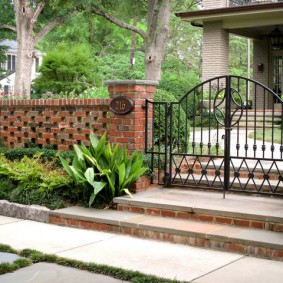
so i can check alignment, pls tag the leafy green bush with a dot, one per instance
(46, 154)
(117, 67)
(29, 181)
(95, 92)
(103, 172)
(6, 187)
(67, 69)
(206, 119)
(89, 92)
(180, 132)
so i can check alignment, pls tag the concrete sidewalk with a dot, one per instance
(172, 261)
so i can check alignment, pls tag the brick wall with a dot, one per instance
(65, 122)
(215, 50)
(59, 122)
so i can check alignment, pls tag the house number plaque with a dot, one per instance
(121, 105)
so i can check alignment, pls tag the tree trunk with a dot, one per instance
(24, 63)
(156, 39)
(25, 49)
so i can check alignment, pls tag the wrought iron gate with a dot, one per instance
(224, 134)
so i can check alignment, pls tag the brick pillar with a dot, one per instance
(215, 50)
(129, 130)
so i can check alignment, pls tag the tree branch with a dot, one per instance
(153, 10)
(37, 11)
(8, 27)
(118, 22)
(47, 28)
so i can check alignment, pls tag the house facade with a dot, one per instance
(9, 67)
(259, 20)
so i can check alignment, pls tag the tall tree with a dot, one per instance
(156, 34)
(33, 20)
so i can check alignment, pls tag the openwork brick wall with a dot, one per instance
(59, 122)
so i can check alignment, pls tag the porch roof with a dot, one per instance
(254, 21)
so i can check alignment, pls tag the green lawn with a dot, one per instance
(268, 135)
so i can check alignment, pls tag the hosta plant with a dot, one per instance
(103, 171)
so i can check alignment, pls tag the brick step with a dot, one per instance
(236, 210)
(273, 175)
(253, 242)
(259, 126)
(251, 113)
(250, 185)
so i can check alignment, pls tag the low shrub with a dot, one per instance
(103, 172)
(180, 123)
(29, 181)
(206, 119)
(46, 154)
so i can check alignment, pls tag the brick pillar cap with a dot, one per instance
(131, 82)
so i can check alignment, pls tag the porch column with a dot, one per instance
(215, 50)
(260, 74)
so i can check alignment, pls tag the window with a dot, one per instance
(277, 75)
(11, 62)
(36, 65)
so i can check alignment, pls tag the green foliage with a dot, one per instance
(117, 67)
(180, 127)
(30, 174)
(103, 172)
(238, 56)
(95, 92)
(176, 78)
(67, 69)
(269, 135)
(90, 92)
(206, 119)
(6, 267)
(3, 59)
(29, 181)
(6, 187)
(122, 274)
(46, 154)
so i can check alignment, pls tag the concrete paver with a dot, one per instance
(6, 220)
(153, 257)
(47, 238)
(172, 261)
(248, 269)
(52, 273)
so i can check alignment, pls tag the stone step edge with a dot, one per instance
(203, 215)
(198, 239)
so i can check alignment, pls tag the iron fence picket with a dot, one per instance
(215, 151)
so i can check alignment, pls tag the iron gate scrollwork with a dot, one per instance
(224, 134)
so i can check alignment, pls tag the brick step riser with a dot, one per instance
(250, 248)
(216, 219)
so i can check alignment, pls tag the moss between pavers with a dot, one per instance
(33, 256)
